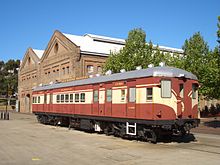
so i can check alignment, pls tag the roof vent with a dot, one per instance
(162, 64)
(109, 72)
(181, 75)
(40, 85)
(150, 65)
(122, 70)
(138, 67)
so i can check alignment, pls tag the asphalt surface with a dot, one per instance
(24, 141)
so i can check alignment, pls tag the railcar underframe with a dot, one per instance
(146, 130)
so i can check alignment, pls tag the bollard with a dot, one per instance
(4, 114)
(7, 116)
(1, 115)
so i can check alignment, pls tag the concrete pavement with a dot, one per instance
(24, 141)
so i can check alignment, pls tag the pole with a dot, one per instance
(6, 109)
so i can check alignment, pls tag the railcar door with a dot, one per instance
(46, 96)
(95, 105)
(101, 101)
(108, 100)
(50, 106)
(131, 104)
(181, 97)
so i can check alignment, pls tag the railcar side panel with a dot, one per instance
(131, 99)
(108, 99)
(95, 104)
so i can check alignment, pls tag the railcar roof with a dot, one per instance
(149, 72)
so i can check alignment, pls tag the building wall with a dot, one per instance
(59, 67)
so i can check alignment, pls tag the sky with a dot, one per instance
(31, 23)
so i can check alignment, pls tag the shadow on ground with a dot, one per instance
(214, 123)
(178, 139)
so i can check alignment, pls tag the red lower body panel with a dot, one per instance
(139, 111)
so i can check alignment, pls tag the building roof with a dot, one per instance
(97, 44)
(89, 44)
(38, 52)
(149, 72)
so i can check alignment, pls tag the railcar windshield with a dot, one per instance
(165, 88)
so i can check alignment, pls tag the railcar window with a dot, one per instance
(123, 95)
(82, 97)
(181, 90)
(51, 98)
(71, 98)
(66, 98)
(194, 91)
(38, 99)
(95, 96)
(166, 89)
(34, 100)
(132, 95)
(77, 97)
(149, 93)
(62, 98)
(58, 98)
(109, 95)
(45, 98)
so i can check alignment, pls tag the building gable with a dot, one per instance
(57, 46)
(30, 59)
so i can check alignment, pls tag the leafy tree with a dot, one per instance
(218, 25)
(211, 75)
(197, 59)
(196, 52)
(9, 76)
(135, 53)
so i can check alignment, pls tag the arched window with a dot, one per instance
(29, 60)
(90, 69)
(56, 47)
(99, 69)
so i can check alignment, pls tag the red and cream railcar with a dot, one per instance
(144, 103)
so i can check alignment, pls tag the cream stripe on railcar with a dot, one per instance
(41, 98)
(88, 98)
(76, 91)
(101, 97)
(194, 101)
(141, 98)
(48, 98)
(146, 85)
(116, 96)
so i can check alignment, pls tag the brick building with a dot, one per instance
(67, 57)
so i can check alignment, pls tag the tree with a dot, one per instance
(9, 76)
(195, 58)
(195, 52)
(135, 53)
(202, 62)
(218, 25)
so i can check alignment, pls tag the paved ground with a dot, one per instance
(209, 126)
(23, 141)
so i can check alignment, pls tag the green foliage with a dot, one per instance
(197, 59)
(9, 76)
(218, 25)
(135, 53)
(196, 51)
(202, 62)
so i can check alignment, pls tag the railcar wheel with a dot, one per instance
(150, 135)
